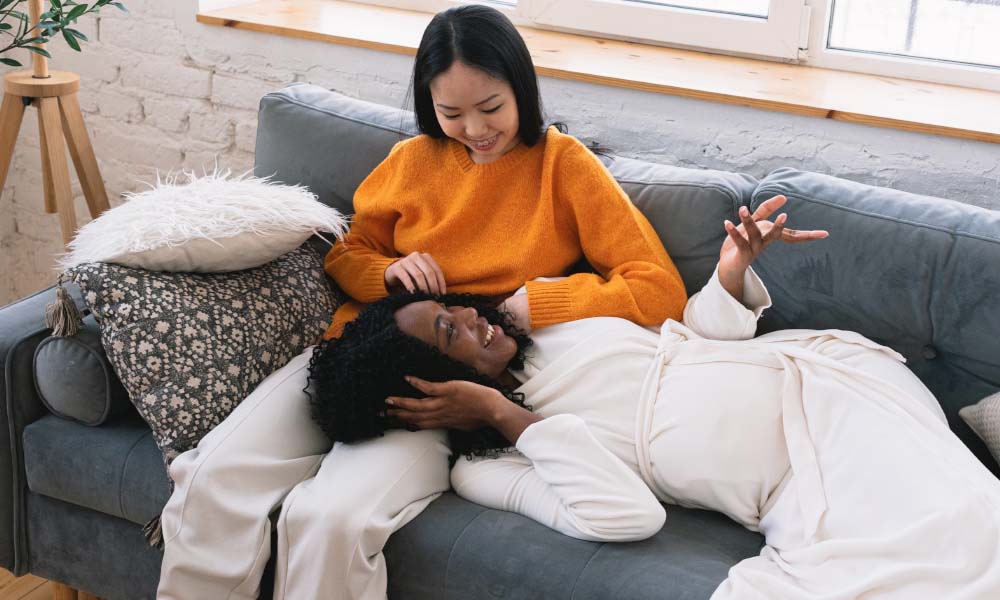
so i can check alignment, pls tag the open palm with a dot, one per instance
(745, 242)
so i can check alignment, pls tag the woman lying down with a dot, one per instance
(823, 441)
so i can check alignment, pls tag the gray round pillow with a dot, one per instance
(75, 380)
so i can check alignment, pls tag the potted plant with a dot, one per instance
(16, 25)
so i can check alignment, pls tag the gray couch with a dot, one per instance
(919, 274)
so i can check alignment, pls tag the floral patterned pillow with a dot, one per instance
(188, 347)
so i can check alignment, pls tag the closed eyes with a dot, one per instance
(489, 112)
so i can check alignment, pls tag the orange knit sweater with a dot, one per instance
(534, 212)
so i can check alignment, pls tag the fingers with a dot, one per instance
(422, 275)
(438, 274)
(430, 388)
(419, 271)
(753, 232)
(399, 272)
(429, 272)
(737, 237)
(416, 405)
(768, 208)
(776, 230)
(793, 236)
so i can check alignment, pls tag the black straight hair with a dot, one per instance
(483, 38)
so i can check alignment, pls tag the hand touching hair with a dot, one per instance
(351, 376)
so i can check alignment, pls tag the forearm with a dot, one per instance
(715, 313)
(732, 282)
(563, 478)
(511, 420)
(358, 270)
(644, 293)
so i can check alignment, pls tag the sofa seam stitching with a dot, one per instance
(288, 98)
(121, 475)
(579, 575)
(451, 551)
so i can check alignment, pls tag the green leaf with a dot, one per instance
(56, 4)
(10, 62)
(71, 40)
(38, 50)
(48, 24)
(5, 26)
(77, 12)
(76, 34)
(119, 6)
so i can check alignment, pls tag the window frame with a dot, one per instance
(779, 36)
(798, 35)
(889, 65)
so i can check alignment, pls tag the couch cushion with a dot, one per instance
(456, 549)
(330, 142)
(75, 380)
(916, 273)
(115, 469)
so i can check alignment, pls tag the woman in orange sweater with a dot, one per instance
(486, 200)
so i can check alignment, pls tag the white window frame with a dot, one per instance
(779, 36)
(796, 31)
(921, 69)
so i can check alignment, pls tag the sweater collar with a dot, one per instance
(514, 156)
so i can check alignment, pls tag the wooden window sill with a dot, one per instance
(840, 95)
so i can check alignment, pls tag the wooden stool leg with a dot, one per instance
(11, 113)
(62, 592)
(83, 155)
(81, 595)
(48, 191)
(49, 108)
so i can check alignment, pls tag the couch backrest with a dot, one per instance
(330, 142)
(916, 273)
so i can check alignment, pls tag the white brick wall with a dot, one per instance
(162, 92)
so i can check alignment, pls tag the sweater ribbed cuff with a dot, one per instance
(371, 285)
(549, 302)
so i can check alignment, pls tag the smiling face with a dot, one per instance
(459, 333)
(477, 110)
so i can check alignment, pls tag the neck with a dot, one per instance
(508, 380)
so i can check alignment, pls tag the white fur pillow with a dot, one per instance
(984, 418)
(209, 224)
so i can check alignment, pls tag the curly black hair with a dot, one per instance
(351, 376)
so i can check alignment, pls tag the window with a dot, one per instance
(775, 28)
(946, 41)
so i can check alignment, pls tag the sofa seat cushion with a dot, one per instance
(115, 469)
(456, 549)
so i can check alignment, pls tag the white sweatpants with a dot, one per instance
(338, 509)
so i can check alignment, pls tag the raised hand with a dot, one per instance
(417, 271)
(748, 240)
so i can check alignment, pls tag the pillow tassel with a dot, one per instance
(62, 316)
(153, 533)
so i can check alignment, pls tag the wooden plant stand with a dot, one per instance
(59, 119)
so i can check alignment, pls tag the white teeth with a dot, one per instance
(485, 144)
(489, 335)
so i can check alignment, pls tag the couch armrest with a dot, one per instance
(22, 328)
